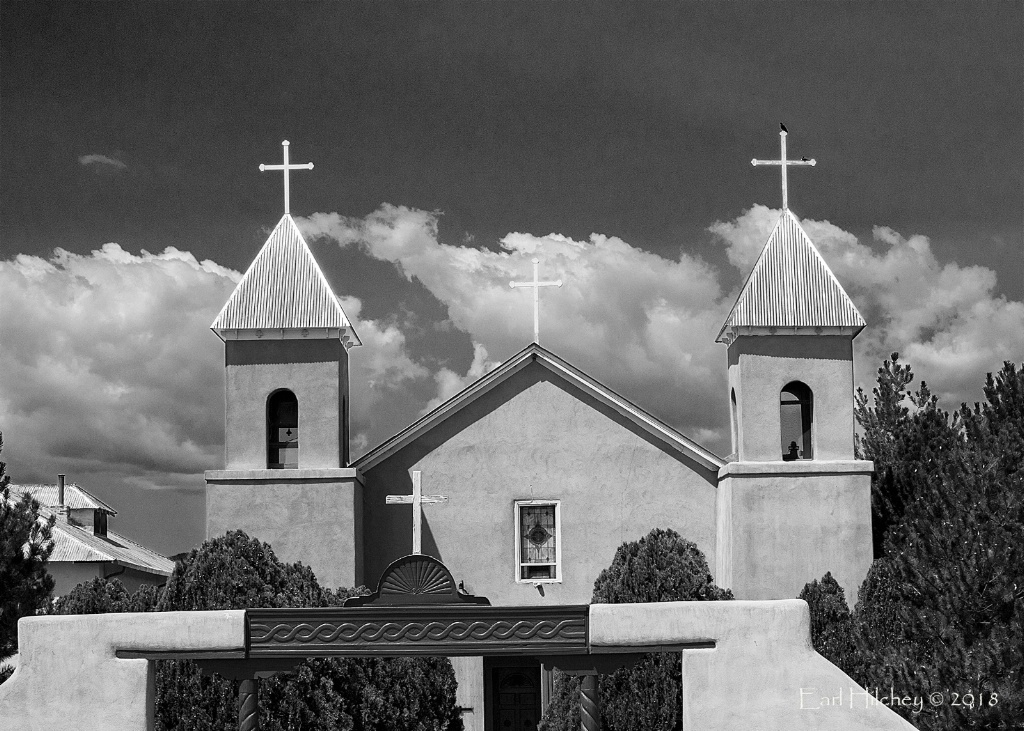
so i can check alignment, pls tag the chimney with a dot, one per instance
(60, 494)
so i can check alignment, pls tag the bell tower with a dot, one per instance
(286, 443)
(793, 502)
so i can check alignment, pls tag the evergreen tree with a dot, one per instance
(26, 541)
(943, 610)
(101, 596)
(910, 448)
(831, 622)
(660, 567)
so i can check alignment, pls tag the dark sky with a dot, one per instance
(144, 124)
(636, 120)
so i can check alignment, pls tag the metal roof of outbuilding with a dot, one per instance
(792, 288)
(75, 497)
(78, 544)
(284, 289)
(72, 543)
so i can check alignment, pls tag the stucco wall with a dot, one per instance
(70, 677)
(762, 673)
(534, 436)
(316, 371)
(761, 366)
(312, 516)
(67, 575)
(787, 523)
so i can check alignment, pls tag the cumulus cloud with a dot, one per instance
(107, 364)
(108, 367)
(641, 323)
(104, 160)
(645, 324)
(946, 320)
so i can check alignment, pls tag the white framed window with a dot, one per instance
(538, 541)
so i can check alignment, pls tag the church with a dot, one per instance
(526, 482)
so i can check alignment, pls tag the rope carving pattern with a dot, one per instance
(417, 631)
(248, 708)
(590, 704)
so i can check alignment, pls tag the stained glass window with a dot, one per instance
(538, 541)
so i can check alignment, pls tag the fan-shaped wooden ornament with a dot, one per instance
(416, 579)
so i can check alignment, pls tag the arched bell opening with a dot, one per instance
(796, 417)
(282, 431)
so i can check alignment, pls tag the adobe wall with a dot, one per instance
(312, 516)
(760, 367)
(316, 371)
(784, 524)
(762, 672)
(535, 436)
(70, 678)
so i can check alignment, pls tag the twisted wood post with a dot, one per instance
(248, 705)
(590, 704)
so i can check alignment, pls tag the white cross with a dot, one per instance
(784, 163)
(536, 284)
(286, 167)
(416, 500)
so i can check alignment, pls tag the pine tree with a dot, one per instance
(101, 596)
(831, 622)
(26, 541)
(660, 567)
(942, 611)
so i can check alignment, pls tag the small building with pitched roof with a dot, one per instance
(545, 470)
(84, 548)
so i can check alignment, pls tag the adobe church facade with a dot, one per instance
(546, 471)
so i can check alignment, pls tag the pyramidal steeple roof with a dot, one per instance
(284, 289)
(791, 289)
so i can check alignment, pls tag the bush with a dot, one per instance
(660, 567)
(236, 572)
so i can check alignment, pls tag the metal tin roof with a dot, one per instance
(72, 543)
(791, 287)
(75, 497)
(284, 289)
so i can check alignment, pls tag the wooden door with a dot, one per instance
(517, 698)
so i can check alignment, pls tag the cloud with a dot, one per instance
(641, 323)
(946, 320)
(108, 363)
(109, 371)
(108, 366)
(645, 324)
(102, 160)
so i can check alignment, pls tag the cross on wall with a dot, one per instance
(417, 499)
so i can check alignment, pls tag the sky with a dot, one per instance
(453, 142)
